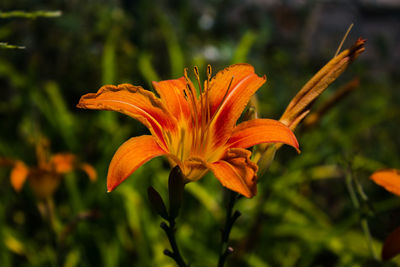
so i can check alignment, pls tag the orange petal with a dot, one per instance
(220, 82)
(229, 108)
(63, 162)
(237, 172)
(257, 131)
(18, 175)
(391, 246)
(89, 170)
(173, 97)
(133, 101)
(389, 179)
(130, 156)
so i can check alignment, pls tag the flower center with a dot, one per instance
(194, 135)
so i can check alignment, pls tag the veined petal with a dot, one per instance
(219, 83)
(389, 179)
(257, 131)
(173, 97)
(135, 102)
(244, 84)
(18, 175)
(130, 156)
(237, 172)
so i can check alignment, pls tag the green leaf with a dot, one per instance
(30, 15)
(243, 49)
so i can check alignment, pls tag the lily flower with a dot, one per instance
(195, 130)
(45, 177)
(390, 180)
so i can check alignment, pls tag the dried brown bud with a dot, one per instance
(300, 105)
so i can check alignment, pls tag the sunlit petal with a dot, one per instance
(236, 172)
(130, 156)
(234, 102)
(257, 131)
(172, 95)
(18, 175)
(389, 179)
(220, 82)
(133, 101)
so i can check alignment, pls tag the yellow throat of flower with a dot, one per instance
(194, 142)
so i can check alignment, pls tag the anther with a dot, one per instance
(185, 70)
(209, 71)
(196, 71)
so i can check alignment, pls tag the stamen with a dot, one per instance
(185, 94)
(219, 107)
(167, 136)
(196, 73)
(193, 111)
(202, 104)
(209, 73)
(223, 99)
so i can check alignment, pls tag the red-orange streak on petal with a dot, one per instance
(391, 246)
(130, 156)
(389, 179)
(172, 95)
(236, 172)
(233, 106)
(18, 175)
(257, 131)
(220, 82)
(133, 101)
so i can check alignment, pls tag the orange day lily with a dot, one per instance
(390, 180)
(45, 177)
(196, 131)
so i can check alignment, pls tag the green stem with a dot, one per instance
(350, 189)
(350, 182)
(367, 233)
(175, 254)
(225, 250)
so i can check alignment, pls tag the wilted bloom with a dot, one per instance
(45, 177)
(196, 131)
(390, 180)
(300, 105)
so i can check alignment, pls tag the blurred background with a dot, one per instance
(303, 214)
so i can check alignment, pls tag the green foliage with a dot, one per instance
(29, 15)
